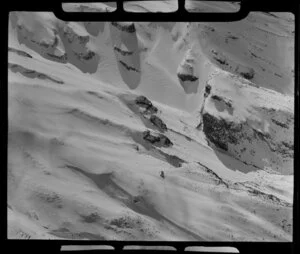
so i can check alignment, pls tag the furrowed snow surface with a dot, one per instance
(98, 110)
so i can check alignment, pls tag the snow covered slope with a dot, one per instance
(97, 110)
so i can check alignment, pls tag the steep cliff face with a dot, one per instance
(259, 131)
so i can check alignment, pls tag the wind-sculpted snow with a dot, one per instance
(60, 42)
(259, 48)
(98, 109)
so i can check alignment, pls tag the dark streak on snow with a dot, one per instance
(31, 73)
(19, 52)
(217, 178)
(129, 68)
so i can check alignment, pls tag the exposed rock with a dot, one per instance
(85, 56)
(128, 67)
(219, 131)
(249, 145)
(157, 139)
(59, 58)
(207, 90)
(125, 27)
(227, 102)
(155, 120)
(72, 37)
(122, 51)
(248, 75)
(186, 77)
(143, 102)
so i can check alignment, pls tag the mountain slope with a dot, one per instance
(97, 111)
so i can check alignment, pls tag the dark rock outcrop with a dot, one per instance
(250, 145)
(129, 28)
(157, 139)
(186, 77)
(219, 131)
(156, 121)
(207, 90)
(143, 102)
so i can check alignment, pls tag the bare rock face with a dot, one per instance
(159, 140)
(251, 146)
(145, 103)
(220, 132)
(156, 121)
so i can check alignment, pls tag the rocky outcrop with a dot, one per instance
(156, 121)
(124, 26)
(159, 140)
(252, 146)
(207, 90)
(256, 130)
(249, 145)
(220, 132)
(145, 103)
